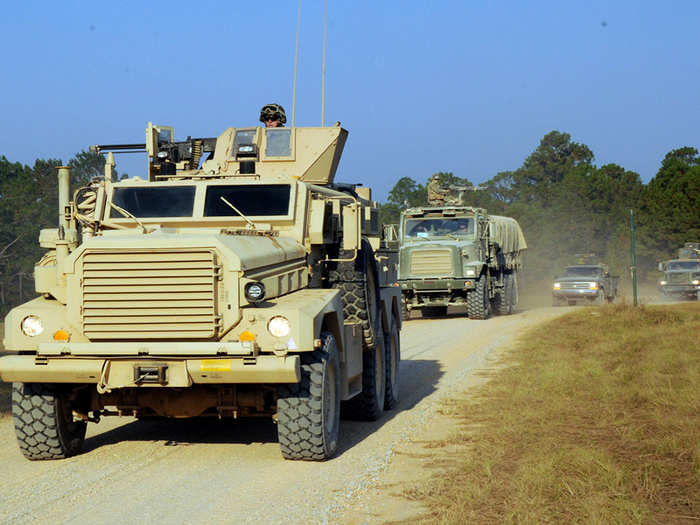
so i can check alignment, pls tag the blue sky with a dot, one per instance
(466, 87)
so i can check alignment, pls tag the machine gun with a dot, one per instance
(165, 156)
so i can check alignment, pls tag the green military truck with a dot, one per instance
(591, 283)
(235, 280)
(459, 256)
(681, 279)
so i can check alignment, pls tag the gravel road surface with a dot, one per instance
(186, 471)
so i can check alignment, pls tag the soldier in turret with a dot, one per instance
(437, 195)
(273, 116)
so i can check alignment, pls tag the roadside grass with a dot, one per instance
(594, 419)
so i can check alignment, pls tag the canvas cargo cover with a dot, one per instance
(506, 232)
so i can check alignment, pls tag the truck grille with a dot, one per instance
(575, 285)
(431, 262)
(678, 278)
(149, 295)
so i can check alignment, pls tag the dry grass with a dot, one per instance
(596, 421)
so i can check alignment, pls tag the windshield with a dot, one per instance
(173, 201)
(251, 200)
(582, 271)
(683, 265)
(439, 227)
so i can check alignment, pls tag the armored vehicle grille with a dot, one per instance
(149, 295)
(678, 278)
(431, 262)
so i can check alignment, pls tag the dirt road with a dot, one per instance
(217, 472)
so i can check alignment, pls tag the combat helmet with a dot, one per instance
(273, 112)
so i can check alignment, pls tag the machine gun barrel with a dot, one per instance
(119, 148)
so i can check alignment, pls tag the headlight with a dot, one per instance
(557, 286)
(470, 272)
(255, 292)
(279, 326)
(662, 283)
(32, 326)
(593, 286)
(696, 281)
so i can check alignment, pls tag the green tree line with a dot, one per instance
(567, 205)
(28, 203)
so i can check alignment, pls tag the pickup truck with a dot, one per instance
(591, 283)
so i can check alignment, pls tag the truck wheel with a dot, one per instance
(44, 423)
(368, 405)
(358, 290)
(600, 298)
(478, 301)
(503, 299)
(434, 311)
(405, 312)
(392, 343)
(308, 412)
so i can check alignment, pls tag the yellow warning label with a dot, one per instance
(215, 365)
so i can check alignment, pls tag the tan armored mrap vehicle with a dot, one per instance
(243, 284)
(459, 256)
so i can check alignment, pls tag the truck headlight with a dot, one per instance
(279, 326)
(593, 286)
(556, 286)
(255, 292)
(32, 326)
(470, 272)
(662, 283)
(696, 281)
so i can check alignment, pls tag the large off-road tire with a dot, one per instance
(477, 300)
(357, 283)
(392, 343)
(505, 298)
(44, 422)
(405, 312)
(308, 412)
(434, 311)
(557, 302)
(368, 405)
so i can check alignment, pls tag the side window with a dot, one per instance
(278, 142)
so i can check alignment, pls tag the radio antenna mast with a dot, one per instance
(296, 63)
(323, 66)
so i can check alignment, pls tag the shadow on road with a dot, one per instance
(418, 379)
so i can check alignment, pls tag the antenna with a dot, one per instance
(323, 66)
(296, 63)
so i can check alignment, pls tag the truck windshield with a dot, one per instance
(439, 227)
(683, 265)
(159, 201)
(251, 200)
(582, 271)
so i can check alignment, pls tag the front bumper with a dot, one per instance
(437, 284)
(575, 293)
(118, 372)
(680, 288)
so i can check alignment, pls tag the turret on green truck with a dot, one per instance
(459, 256)
(681, 279)
(236, 279)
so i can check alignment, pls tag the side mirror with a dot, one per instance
(661, 267)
